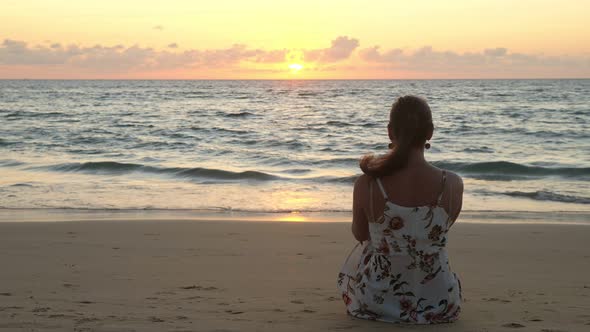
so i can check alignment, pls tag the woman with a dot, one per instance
(403, 208)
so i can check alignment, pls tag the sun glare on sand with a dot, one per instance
(292, 217)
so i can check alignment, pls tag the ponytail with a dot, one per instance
(411, 121)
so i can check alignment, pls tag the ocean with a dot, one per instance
(282, 146)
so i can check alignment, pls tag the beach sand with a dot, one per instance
(182, 275)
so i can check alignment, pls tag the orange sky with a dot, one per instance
(254, 39)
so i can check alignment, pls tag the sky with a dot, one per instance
(299, 39)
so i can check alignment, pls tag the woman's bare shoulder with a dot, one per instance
(362, 181)
(455, 181)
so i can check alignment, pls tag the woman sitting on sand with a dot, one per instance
(403, 208)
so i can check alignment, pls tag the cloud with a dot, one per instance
(498, 51)
(274, 56)
(373, 54)
(490, 62)
(343, 58)
(341, 48)
(119, 57)
(18, 52)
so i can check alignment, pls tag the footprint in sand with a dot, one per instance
(210, 288)
(86, 320)
(344, 327)
(495, 299)
(11, 307)
(165, 293)
(189, 287)
(234, 312)
(58, 316)
(513, 325)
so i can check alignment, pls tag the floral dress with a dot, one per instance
(402, 273)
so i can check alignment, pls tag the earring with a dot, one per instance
(427, 145)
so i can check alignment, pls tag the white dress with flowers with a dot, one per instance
(402, 273)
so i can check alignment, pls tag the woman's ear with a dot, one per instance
(430, 133)
(390, 133)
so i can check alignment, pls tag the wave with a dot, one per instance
(506, 169)
(19, 114)
(339, 123)
(116, 168)
(308, 94)
(483, 149)
(492, 171)
(197, 173)
(549, 196)
(238, 115)
(340, 161)
(10, 163)
(5, 142)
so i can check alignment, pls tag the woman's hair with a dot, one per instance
(410, 122)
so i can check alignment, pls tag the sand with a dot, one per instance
(182, 275)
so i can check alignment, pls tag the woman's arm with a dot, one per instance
(456, 196)
(360, 224)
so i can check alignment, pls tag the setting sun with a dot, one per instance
(295, 67)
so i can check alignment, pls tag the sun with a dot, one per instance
(295, 67)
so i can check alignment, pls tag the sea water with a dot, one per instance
(280, 146)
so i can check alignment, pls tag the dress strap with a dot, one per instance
(382, 189)
(442, 189)
(371, 212)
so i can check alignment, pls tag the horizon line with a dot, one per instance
(294, 79)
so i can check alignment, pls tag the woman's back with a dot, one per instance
(403, 274)
(417, 184)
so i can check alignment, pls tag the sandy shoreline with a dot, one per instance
(581, 217)
(260, 276)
